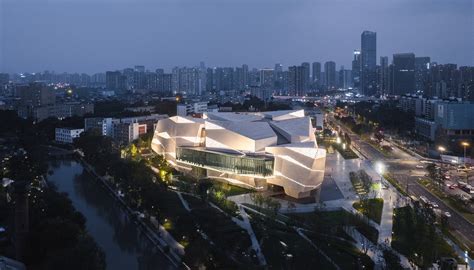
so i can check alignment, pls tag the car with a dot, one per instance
(420, 166)
(424, 199)
(434, 205)
(447, 214)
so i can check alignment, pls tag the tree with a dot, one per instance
(204, 186)
(258, 199)
(392, 260)
(133, 150)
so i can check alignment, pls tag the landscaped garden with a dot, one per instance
(283, 248)
(371, 208)
(362, 183)
(328, 233)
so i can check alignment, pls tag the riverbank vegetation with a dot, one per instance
(145, 189)
(55, 236)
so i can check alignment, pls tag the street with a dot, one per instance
(403, 167)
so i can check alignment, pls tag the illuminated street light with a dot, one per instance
(441, 149)
(465, 145)
(380, 167)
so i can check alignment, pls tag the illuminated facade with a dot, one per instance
(247, 149)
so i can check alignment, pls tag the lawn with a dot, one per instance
(229, 239)
(328, 230)
(371, 208)
(225, 233)
(416, 237)
(284, 248)
(333, 222)
(268, 212)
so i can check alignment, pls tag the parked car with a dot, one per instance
(447, 214)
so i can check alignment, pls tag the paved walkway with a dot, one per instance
(338, 169)
(365, 246)
(184, 202)
(245, 224)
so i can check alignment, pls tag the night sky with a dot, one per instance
(94, 36)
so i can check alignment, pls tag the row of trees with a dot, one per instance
(416, 237)
(57, 237)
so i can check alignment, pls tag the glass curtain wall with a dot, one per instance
(226, 162)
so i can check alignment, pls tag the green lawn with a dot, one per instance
(284, 248)
(229, 239)
(371, 208)
(332, 223)
(268, 212)
(328, 231)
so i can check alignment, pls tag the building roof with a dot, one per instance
(233, 116)
(252, 130)
(293, 128)
(283, 115)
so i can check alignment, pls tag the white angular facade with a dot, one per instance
(247, 149)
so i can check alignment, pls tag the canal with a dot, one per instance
(124, 245)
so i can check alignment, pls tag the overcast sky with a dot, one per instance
(94, 36)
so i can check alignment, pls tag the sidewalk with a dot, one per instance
(245, 224)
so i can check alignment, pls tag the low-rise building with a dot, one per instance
(191, 108)
(59, 111)
(103, 125)
(123, 130)
(248, 149)
(67, 135)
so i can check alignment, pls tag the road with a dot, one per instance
(403, 167)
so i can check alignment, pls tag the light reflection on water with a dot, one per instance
(124, 246)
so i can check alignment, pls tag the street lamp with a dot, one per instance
(380, 167)
(465, 145)
(441, 149)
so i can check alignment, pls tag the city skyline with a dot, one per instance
(52, 37)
